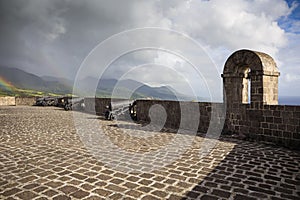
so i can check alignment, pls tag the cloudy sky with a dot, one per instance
(55, 37)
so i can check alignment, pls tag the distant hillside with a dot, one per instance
(21, 79)
(64, 81)
(24, 80)
(105, 87)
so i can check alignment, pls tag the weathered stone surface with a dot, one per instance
(45, 159)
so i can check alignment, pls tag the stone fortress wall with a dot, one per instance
(259, 118)
(25, 101)
(199, 120)
(7, 101)
(277, 124)
(17, 101)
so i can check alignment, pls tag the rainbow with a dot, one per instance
(6, 85)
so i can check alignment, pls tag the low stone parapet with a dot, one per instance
(7, 101)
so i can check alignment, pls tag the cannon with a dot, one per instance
(74, 104)
(108, 114)
(121, 110)
(46, 101)
(61, 101)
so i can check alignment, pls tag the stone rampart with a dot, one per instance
(25, 101)
(7, 101)
(186, 115)
(278, 124)
(17, 101)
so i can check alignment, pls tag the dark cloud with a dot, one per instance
(52, 37)
(49, 36)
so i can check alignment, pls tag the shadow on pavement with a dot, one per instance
(252, 171)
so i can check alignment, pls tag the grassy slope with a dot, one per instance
(26, 92)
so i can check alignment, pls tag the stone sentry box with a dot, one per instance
(244, 69)
(260, 117)
(247, 72)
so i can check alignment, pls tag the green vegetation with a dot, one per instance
(26, 92)
(36, 93)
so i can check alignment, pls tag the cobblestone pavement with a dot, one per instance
(42, 157)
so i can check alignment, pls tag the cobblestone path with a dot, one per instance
(43, 157)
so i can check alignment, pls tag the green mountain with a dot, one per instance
(27, 81)
(129, 88)
(29, 84)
